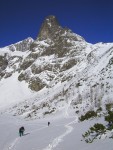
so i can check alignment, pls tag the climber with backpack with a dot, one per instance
(21, 131)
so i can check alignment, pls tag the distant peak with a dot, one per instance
(49, 27)
(51, 19)
(52, 30)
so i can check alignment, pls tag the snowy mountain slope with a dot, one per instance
(57, 72)
(87, 84)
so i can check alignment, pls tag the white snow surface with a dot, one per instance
(62, 134)
(12, 91)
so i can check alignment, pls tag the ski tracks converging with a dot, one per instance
(59, 139)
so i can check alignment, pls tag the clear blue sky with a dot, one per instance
(92, 19)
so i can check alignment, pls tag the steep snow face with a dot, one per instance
(60, 72)
(12, 91)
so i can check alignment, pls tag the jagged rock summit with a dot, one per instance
(56, 37)
(57, 72)
(49, 27)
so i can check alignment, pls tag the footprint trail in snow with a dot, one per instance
(59, 139)
(11, 146)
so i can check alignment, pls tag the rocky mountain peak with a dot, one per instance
(48, 28)
(51, 21)
(64, 70)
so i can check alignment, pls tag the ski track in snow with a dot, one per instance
(11, 146)
(55, 141)
(59, 139)
(68, 127)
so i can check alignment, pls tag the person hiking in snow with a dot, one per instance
(21, 131)
(48, 123)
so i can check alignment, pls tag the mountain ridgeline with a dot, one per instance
(63, 72)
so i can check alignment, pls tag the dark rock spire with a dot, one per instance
(49, 27)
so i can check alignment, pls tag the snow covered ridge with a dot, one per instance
(57, 72)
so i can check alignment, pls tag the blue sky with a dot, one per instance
(92, 19)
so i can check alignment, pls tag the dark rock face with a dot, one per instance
(51, 29)
(48, 29)
(3, 63)
(58, 38)
(36, 84)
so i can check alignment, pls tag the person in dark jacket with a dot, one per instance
(21, 131)
(48, 123)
